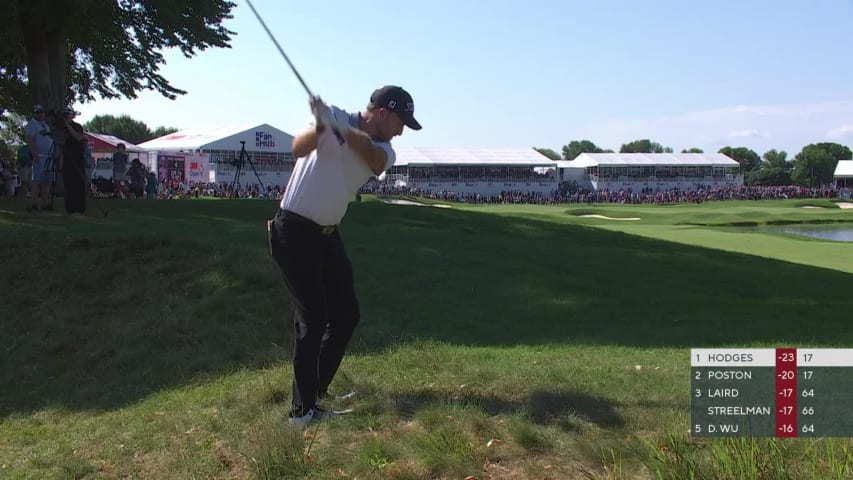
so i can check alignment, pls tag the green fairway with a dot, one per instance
(151, 340)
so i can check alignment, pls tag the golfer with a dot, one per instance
(336, 155)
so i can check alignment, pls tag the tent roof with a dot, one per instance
(649, 159)
(844, 168)
(464, 156)
(198, 137)
(112, 141)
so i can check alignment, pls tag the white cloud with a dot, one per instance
(840, 133)
(787, 127)
(746, 133)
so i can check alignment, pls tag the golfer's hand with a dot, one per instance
(322, 112)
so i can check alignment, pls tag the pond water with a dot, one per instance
(837, 232)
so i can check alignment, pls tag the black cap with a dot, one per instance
(399, 101)
(37, 108)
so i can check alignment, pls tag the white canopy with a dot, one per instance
(844, 169)
(649, 159)
(430, 157)
(257, 137)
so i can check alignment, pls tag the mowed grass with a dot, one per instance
(502, 342)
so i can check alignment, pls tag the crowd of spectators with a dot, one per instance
(480, 174)
(570, 193)
(175, 189)
(565, 193)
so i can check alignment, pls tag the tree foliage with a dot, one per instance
(7, 154)
(776, 159)
(644, 146)
(12, 128)
(577, 147)
(59, 51)
(692, 150)
(548, 153)
(747, 158)
(124, 127)
(815, 164)
(162, 131)
(774, 169)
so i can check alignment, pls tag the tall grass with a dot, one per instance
(495, 342)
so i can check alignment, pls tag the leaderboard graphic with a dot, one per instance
(771, 392)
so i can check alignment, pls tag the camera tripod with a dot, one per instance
(239, 162)
(52, 170)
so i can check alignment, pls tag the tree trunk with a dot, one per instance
(46, 46)
(57, 47)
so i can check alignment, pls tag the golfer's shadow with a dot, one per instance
(566, 409)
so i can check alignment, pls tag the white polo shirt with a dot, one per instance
(324, 183)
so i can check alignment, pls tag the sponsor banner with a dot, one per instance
(183, 168)
(264, 139)
(171, 168)
(197, 168)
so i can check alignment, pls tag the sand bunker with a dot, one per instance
(608, 218)
(397, 201)
(844, 205)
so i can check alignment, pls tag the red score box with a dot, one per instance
(786, 392)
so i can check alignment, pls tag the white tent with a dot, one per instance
(649, 159)
(472, 170)
(269, 151)
(654, 171)
(473, 157)
(844, 173)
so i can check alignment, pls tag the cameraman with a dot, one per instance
(74, 164)
(39, 142)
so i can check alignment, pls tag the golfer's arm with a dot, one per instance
(363, 145)
(304, 142)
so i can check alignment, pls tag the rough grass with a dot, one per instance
(501, 342)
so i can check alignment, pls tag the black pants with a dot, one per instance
(75, 189)
(318, 275)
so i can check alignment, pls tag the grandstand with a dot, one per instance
(485, 171)
(651, 172)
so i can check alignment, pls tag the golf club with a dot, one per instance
(295, 72)
(333, 124)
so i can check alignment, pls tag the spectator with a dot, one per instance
(7, 181)
(40, 143)
(151, 186)
(74, 165)
(136, 175)
(119, 163)
(90, 167)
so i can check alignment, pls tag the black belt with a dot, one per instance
(295, 217)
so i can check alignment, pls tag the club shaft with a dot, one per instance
(281, 50)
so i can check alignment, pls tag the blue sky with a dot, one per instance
(505, 73)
